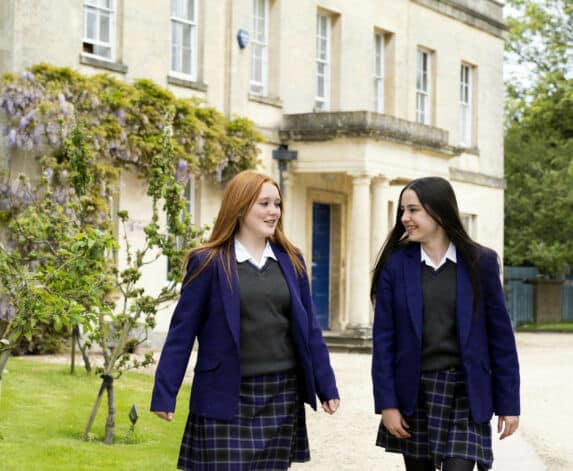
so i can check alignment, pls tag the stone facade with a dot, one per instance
(353, 158)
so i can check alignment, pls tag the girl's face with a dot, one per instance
(421, 227)
(262, 219)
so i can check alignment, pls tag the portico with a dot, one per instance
(351, 166)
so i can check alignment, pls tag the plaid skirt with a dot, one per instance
(269, 431)
(441, 426)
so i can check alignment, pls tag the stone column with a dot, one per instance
(359, 273)
(379, 228)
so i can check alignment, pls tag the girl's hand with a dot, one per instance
(506, 425)
(395, 423)
(164, 415)
(331, 406)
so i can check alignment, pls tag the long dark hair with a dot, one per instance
(437, 197)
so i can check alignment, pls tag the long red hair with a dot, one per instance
(238, 198)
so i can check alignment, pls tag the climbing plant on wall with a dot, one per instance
(58, 237)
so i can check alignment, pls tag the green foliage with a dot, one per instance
(564, 326)
(57, 267)
(59, 242)
(125, 120)
(539, 137)
(51, 267)
(42, 409)
(539, 174)
(541, 35)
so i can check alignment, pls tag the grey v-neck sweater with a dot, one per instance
(267, 344)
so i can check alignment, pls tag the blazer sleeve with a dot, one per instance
(383, 345)
(504, 362)
(185, 322)
(325, 382)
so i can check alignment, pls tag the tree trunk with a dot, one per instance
(3, 360)
(85, 356)
(75, 334)
(103, 387)
(110, 421)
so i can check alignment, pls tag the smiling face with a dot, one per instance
(421, 227)
(262, 219)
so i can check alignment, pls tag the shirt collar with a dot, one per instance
(243, 255)
(449, 255)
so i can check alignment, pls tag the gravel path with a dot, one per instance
(544, 441)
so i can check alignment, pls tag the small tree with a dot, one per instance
(135, 305)
(50, 266)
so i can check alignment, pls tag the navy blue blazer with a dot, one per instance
(486, 341)
(209, 310)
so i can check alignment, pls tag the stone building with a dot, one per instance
(366, 94)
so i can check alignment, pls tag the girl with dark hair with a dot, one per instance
(246, 298)
(444, 357)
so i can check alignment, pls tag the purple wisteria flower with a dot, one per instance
(12, 138)
(49, 173)
(182, 171)
(219, 172)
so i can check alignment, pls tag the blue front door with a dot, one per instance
(321, 262)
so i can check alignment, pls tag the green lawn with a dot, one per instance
(43, 411)
(564, 326)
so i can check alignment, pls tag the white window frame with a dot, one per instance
(95, 7)
(466, 112)
(423, 86)
(177, 51)
(322, 102)
(379, 58)
(260, 45)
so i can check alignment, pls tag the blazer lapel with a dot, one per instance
(290, 278)
(464, 300)
(413, 282)
(230, 296)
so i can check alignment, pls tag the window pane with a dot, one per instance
(102, 51)
(186, 32)
(104, 28)
(174, 36)
(320, 85)
(175, 8)
(324, 25)
(322, 49)
(186, 60)
(91, 18)
(190, 10)
(261, 29)
(174, 58)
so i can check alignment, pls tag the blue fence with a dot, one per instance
(519, 294)
(567, 300)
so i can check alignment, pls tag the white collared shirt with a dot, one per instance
(242, 254)
(449, 255)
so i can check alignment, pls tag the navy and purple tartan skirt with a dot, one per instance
(441, 426)
(268, 433)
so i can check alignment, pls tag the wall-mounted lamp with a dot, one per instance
(283, 156)
(243, 38)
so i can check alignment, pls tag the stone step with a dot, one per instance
(348, 341)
